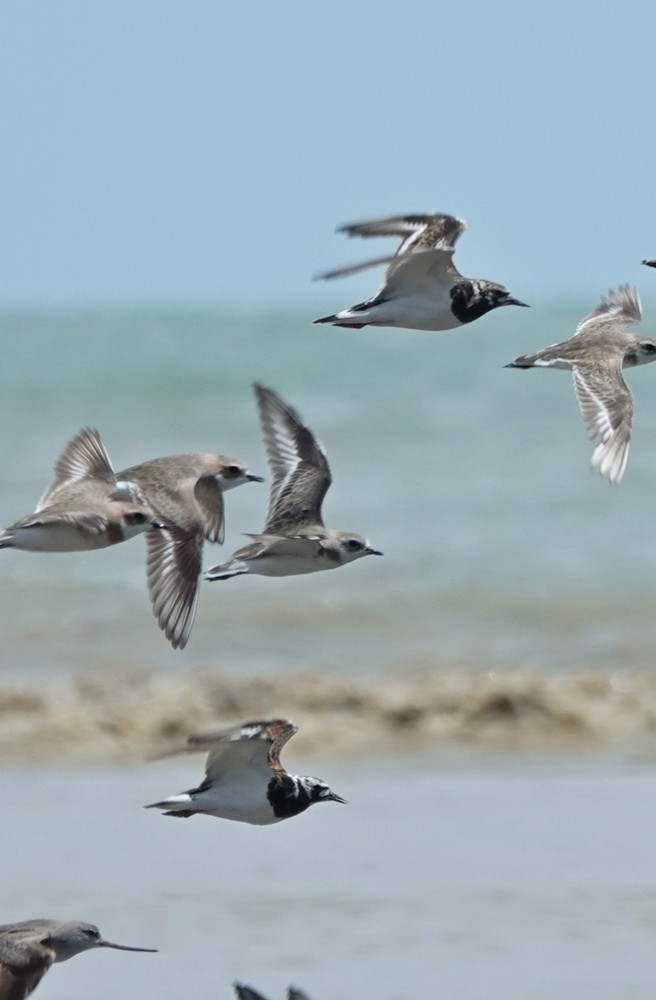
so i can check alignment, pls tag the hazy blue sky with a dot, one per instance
(201, 151)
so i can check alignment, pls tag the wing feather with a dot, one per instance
(242, 747)
(426, 231)
(606, 405)
(173, 570)
(419, 234)
(299, 467)
(84, 457)
(617, 310)
(23, 963)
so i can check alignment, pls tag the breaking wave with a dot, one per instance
(133, 715)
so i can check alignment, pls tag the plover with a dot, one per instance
(30, 947)
(186, 492)
(248, 993)
(294, 539)
(596, 353)
(244, 779)
(422, 288)
(85, 507)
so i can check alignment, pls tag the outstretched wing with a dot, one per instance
(84, 457)
(606, 405)
(615, 312)
(255, 744)
(418, 234)
(299, 467)
(416, 231)
(173, 571)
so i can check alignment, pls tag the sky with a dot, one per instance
(202, 153)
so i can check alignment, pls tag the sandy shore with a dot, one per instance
(128, 716)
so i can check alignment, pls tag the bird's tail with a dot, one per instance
(224, 572)
(337, 320)
(176, 805)
(526, 361)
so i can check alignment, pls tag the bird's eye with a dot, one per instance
(648, 347)
(92, 932)
(137, 518)
(231, 471)
(353, 545)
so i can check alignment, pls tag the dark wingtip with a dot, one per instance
(246, 992)
(649, 263)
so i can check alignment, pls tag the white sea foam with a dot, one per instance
(129, 716)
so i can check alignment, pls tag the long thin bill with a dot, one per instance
(123, 947)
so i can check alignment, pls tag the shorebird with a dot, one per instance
(186, 492)
(596, 353)
(29, 948)
(85, 507)
(294, 539)
(248, 993)
(244, 779)
(422, 288)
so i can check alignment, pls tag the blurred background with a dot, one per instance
(171, 180)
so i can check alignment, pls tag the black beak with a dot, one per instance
(254, 479)
(649, 263)
(515, 302)
(335, 798)
(374, 552)
(122, 947)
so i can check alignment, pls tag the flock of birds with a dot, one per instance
(177, 503)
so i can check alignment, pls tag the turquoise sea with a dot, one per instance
(501, 548)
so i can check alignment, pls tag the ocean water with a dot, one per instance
(448, 873)
(502, 550)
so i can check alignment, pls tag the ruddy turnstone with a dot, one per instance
(85, 507)
(422, 288)
(30, 947)
(244, 779)
(294, 539)
(596, 353)
(186, 491)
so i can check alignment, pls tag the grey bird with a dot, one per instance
(294, 539)
(248, 993)
(596, 354)
(30, 947)
(85, 507)
(244, 779)
(186, 492)
(422, 288)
